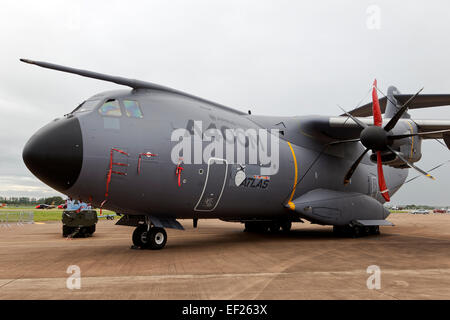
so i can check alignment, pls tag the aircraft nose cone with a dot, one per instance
(54, 154)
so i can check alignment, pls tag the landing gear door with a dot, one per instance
(214, 185)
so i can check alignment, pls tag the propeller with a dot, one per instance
(376, 138)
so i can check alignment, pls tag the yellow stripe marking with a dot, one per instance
(291, 205)
(296, 172)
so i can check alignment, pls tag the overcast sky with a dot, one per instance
(273, 57)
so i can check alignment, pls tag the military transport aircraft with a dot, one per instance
(155, 154)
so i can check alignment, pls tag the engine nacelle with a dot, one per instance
(332, 207)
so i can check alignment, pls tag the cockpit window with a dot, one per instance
(110, 108)
(132, 109)
(88, 105)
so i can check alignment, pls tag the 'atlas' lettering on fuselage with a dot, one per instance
(255, 183)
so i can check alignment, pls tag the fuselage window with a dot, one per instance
(110, 108)
(88, 105)
(132, 109)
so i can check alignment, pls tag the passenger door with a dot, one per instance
(214, 185)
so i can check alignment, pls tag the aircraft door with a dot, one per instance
(214, 185)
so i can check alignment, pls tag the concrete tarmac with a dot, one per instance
(220, 261)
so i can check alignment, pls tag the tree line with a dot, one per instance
(26, 201)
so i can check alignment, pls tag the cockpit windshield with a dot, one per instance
(110, 108)
(132, 109)
(88, 105)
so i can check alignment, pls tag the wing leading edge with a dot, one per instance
(421, 101)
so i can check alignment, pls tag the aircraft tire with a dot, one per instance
(256, 227)
(340, 231)
(357, 231)
(274, 227)
(140, 237)
(286, 226)
(366, 231)
(157, 238)
(251, 227)
(375, 230)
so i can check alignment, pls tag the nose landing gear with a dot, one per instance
(153, 238)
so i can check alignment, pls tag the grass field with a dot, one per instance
(42, 214)
(55, 214)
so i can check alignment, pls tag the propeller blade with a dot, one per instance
(402, 136)
(381, 182)
(410, 164)
(434, 168)
(353, 168)
(376, 111)
(391, 124)
(359, 122)
(344, 141)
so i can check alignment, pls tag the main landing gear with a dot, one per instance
(272, 226)
(355, 231)
(146, 237)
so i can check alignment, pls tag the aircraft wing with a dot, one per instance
(337, 124)
(433, 125)
(421, 101)
(424, 125)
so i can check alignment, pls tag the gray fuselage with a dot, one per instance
(154, 188)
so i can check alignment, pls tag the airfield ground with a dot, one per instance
(219, 261)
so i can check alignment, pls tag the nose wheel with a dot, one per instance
(154, 238)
